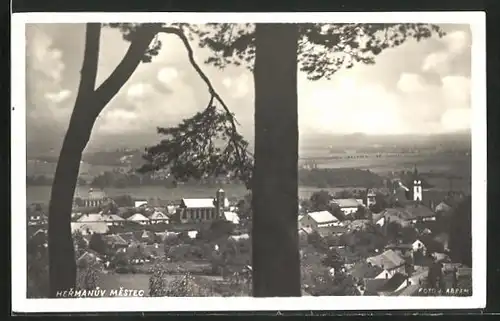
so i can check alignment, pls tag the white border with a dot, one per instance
(18, 185)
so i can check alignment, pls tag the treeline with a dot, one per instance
(339, 177)
(131, 179)
(114, 158)
(43, 180)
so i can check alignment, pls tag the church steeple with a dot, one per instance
(417, 185)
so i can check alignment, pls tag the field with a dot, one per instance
(35, 168)
(437, 168)
(458, 164)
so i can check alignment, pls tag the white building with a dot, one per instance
(318, 219)
(348, 206)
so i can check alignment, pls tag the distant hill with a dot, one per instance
(459, 140)
(132, 156)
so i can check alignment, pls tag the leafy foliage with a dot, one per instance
(88, 276)
(37, 269)
(323, 48)
(201, 146)
(320, 201)
(157, 283)
(79, 243)
(98, 244)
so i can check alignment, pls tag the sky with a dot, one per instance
(416, 88)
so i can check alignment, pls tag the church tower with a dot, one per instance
(370, 198)
(220, 200)
(417, 186)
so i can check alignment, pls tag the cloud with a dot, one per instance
(58, 97)
(167, 75)
(238, 86)
(411, 83)
(46, 97)
(455, 44)
(139, 91)
(417, 87)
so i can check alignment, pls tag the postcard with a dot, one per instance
(248, 161)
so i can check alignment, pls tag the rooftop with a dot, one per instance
(198, 202)
(137, 217)
(322, 217)
(364, 270)
(387, 260)
(346, 202)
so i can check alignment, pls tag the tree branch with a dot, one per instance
(179, 33)
(139, 44)
(90, 59)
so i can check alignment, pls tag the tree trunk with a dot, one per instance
(89, 104)
(276, 261)
(62, 265)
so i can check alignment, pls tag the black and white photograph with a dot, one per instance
(248, 161)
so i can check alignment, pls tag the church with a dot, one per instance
(197, 210)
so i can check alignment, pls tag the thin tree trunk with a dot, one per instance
(89, 104)
(62, 265)
(276, 261)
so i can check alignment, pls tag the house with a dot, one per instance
(113, 220)
(418, 246)
(417, 278)
(348, 206)
(389, 261)
(138, 218)
(193, 210)
(420, 213)
(91, 218)
(394, 283)
(115, 241)
(94, 198)
(88, 228)
(304, 233)
(232, 217)
(139, 203)
(129, 237)
(442, 207)
(158, 217)
(334, 230)
(318, 219)
(363, 270)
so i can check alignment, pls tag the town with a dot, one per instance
(390, 241)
